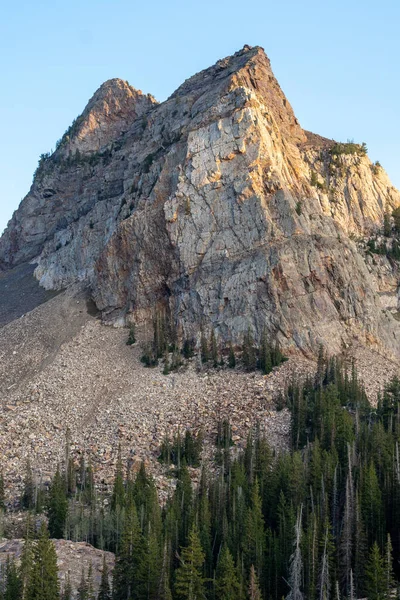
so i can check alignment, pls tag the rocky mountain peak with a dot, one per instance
(110, 112)
(218, 205)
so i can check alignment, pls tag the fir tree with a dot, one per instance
(26, 555)
(189, 582)
(204, 351)
(13, 583)
(296, 563)
(376, 575)
(105, 590)
(213, 349)
(2, 497)
(254, 592)
(83, 587)
(231, 358)
(67, 590)
(226, 584)
(249, 352)
(43, 581)
(58, 506)
(118, 493)
(28, 494)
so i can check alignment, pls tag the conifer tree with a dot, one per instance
(28, 494)
(226, 584)
(67, 590)
(129, 558)
(213, 349)
(13, 584)
(25, 568)
(105, 590)
(189, 582)
(118, 493)
(254, 592)
(2, 497)
(83, 588)
(164, 590)
(388, 564)
(296, 563)
(249, 353)
(58, 506)
(204, 350)
(375, 575)
(255, 534)
(231, 358)
(43, 581)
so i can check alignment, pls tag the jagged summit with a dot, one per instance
(217, 205)
(109, 113)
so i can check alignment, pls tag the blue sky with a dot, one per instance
(337, 62)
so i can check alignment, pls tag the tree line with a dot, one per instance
(319, 521)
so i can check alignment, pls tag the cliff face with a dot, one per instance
(217, 203)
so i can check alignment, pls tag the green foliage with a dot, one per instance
(314, 178)
(43, 580)
(348, 148)
(226, 585)
(148, 161)
(188, 348)
(249, 356)
(58, 506)
(132, 335)
(232, 357)
(299, 207)
(375, 575)
(204, 349)
(188, 450)
(376, 167)
(2, 496)
(189, 582)
(315, 521)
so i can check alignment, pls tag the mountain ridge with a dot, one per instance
(218, 205)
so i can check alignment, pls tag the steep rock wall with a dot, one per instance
(217, 203)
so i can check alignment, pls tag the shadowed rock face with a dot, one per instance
(205, 203)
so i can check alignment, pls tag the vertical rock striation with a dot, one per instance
(217, 203)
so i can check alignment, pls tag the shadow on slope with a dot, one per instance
(20, 293)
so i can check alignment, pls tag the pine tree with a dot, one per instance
(164, 590)
(118, 493)
(13, 583)
(204, 351)
(296, 563)
(90, 584)
(254, 592)
(388, 564)
(249, 353)
(375, 575)
(255, 534)
(83, 588)
(226, 584)
(105, 590)
(213, 349)
(43, 581)
(2, 497)
(58, 506)
(231, 358)
(28, 494)
(189, 582)
(26, 555)
(129, 557)
(67, 591)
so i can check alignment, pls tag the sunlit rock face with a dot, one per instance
(217, 204)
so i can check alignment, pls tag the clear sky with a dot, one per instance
(337, 62)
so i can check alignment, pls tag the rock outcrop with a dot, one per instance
(216, 203)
